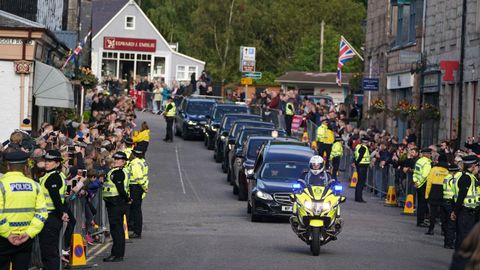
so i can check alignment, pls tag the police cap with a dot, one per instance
(16, 157)
(442, 164)
(138, 151)
(338, 138)
(453, 168)
(128, 140)
(365, 139)
(426, 151)
(53, 155)
(120, 155)
(468, 160)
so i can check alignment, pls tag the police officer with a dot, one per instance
(317, 175)
(115, 193)
(337, 152)
(289, 113)
(128, 146)
(420, 173)
(53, 187)
(325, 139)
(23, 213)
(362, 162)
(434, 193)
(169, 114)
(138, 170)
(466, 201)
(448, 200)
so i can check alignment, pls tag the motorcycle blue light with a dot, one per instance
(297, 186)
(338, 188)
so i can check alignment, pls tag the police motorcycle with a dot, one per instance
(316, 207)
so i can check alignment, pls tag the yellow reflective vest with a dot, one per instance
(435, 177)
(109, 189)
(337, 150)
(173, 111)
(290, 109)
(448, 189)
(366, 157)
(325, 135)
(471, 200)
(138, 170)
(22, 205)
(62, 190)
(128, 152)
(421, 171)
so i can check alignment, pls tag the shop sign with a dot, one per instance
(15, 41)
(449, 67)
(22, 67)
(129, 44)
(398, 81)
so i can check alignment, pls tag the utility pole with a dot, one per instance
(321, 45)
(462, 56)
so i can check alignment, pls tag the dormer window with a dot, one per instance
(130, 22)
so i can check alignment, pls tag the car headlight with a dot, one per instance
(264, 196)
(214, 129)
(249, 171)
(191, 123)
(222, 138)
(230, 146)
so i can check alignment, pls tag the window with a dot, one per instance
(191, 70)
(130, 22)
(406, 15)
(181, 74)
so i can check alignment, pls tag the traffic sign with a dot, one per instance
(247, 66)
(248, 81)
(253, 75)
(247, 59)
(370, 84)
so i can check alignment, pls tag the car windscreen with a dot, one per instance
(220, 111)
(238, 127)
(254, 147)
(229, 121)
(283, 170)
(197, 107)
(243, 136)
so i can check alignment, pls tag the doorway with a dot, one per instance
(126, 70)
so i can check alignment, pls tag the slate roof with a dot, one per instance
(103, 11)
(8, 20)
(312, 77)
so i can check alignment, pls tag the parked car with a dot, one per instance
(276, 170)
(225, 126)
(244, 162)
(232, 135)
(240, 140)
(191, 116)
(214, 118)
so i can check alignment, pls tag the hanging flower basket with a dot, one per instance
(405, 111)
(378, 107)
(87, 78)
(427, 112)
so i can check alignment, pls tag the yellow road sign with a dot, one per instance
(246, 81)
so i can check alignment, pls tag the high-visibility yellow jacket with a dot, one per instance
(366, 157)
(172, 112)
(141, 136)
(109, 189)
(128, 151)
(325, 135)
(138, 170)
(472, 199)
(337, 150)
(448, 189)
(46, 194)
(22, 205)
(421, 171)
(435, 177)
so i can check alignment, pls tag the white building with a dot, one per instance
(129, 47)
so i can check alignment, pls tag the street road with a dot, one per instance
(193, 221)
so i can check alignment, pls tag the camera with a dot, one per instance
(82, 173)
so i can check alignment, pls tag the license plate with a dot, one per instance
(287, 208)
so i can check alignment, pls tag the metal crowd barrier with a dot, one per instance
(269, 115)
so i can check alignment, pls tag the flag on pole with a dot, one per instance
(73, 56)
(345, 53)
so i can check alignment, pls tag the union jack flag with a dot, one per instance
(73, 56)
(345, 53)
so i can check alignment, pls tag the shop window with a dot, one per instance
(159, 67)
(109, 68)
(130, 22)
(181, 73)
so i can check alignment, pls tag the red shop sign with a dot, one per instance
(129, 44)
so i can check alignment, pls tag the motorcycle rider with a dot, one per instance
(317, 175)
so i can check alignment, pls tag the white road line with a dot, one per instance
(180, 170)
(99, 251)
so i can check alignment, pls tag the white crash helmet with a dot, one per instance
(320, 164)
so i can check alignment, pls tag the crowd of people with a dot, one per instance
(94, 163)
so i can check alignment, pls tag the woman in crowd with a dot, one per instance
(142, 138)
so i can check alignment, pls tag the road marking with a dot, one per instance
(187, 178)
(180, 170)
(98, 252)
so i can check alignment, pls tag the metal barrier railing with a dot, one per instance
(269, 115)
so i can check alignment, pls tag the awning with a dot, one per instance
(51, 88)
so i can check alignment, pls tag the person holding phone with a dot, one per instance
(53, 188)
(115, 193)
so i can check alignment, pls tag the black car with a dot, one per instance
(244, 163)
(232, 136)
(214, 118)
(191, 116)
(240, 140)
(274, 178)
(222, 133)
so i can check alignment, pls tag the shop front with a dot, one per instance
(401, 85)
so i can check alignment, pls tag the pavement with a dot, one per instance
(193, 221)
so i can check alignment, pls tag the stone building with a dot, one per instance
(442, 79)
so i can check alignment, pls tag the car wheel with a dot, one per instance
(185, 135)
(242, 190)
(224, 166)
(253, 216)
(315, 244)
(209, 144)
(235, 189)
